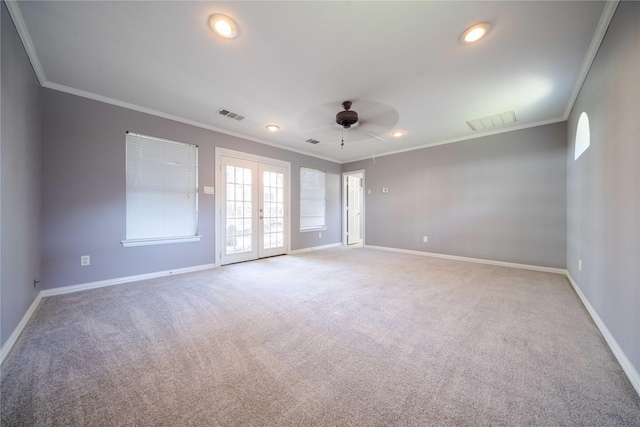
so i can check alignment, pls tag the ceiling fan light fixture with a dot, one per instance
(398, 133)
(475, 33)
(347, 117)
(272, 128)
(223, 26)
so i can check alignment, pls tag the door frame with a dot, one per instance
(345, 189)
(219, 203)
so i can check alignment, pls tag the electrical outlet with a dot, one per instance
(85, 260)
(385, 190)
(425, 239)
(579, 265)
(320, 235)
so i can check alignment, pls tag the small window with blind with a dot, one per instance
(313, 194)
(162, 191)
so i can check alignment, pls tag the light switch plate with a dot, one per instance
(209, 190)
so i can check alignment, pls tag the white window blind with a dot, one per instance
(312, 199)
(162, 188)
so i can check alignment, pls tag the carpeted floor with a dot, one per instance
(333, 337)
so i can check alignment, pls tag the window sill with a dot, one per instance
(159, 241)
(304, 230)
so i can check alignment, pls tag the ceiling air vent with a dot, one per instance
(231, 114)
(313, 141)
(494, 121)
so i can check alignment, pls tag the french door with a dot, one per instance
(254, 199)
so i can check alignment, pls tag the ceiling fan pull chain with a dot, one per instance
(342, 145)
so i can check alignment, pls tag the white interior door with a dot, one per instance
(254, 210)
(354, 209)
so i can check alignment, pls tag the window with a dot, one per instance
(583, 135)
(312, 199)
(162, 191)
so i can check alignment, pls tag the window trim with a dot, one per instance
(159, 241)
(304, 230)
(318, 227)
(173, 239)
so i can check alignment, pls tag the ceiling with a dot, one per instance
(294, 63)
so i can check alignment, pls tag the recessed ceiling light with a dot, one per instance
(475, 33)
(272, 128)
(223, 26)
(398, 133)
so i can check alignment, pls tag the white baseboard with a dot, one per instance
(622, 358)
(476, 260)
(315, 248)
(119, 280)
(8, 345)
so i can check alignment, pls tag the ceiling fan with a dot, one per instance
(372, 120)
(346, 118)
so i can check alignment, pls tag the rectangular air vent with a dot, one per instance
(231, 114)
(494, 121)
(313, 141)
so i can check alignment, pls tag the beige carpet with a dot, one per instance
(334, 337)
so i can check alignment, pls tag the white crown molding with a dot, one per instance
(475, 260)
(603, 24)
(463, 138)
(598, 36)
(617, 351)
(134, 107)
(8, 345)
(16, 16)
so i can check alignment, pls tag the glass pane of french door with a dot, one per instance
(253, 216)
(272, 210)
(239, 209)
(239, 213)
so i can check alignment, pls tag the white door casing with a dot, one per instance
(353, 207)
(354, 197)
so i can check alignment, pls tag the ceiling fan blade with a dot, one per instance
(376, 113)
(387, 119)
(319, 117)
(375, 119)
(321, 128)
(375, 136)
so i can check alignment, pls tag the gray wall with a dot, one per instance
(20, 180)
(83, 202)
(604, 183)
(501, 197)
